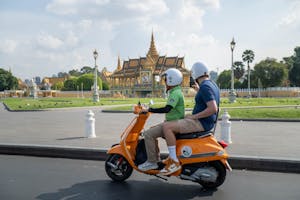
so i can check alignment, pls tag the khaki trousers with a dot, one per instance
(151, 135)
(151, 142)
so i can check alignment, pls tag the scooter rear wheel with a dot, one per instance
(117, 167)
(221, 170)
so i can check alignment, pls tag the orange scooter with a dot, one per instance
(202, 157)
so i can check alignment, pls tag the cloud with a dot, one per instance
(110, 10)
(67, 36)
(150, 7)
(292, 18)
(48, 41)
(71, 39)
(215, 4)
(289, 19)
(8, 46)
(195, 9)
(190, 11)
(85, 24)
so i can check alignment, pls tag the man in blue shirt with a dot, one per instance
(202, 118)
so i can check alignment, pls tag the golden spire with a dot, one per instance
(152, 50)
(119, 64)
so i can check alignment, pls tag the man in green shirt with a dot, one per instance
(174, 110)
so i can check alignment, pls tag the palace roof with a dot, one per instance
(152, 62)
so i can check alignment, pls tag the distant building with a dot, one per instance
(37, 80)
(27, 81)
(213, 76)
(53, 80)
(140, 77)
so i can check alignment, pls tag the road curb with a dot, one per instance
(236, 161)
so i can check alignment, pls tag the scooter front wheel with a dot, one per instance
(117, 167)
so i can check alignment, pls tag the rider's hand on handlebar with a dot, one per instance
(144, 110)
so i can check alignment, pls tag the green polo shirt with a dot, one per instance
(176, 100)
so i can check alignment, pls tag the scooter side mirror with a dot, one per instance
(151, 102)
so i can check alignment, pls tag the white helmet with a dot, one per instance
(199, 69)
(173, 77)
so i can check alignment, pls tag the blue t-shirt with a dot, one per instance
(208, 91)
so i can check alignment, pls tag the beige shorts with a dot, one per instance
(189, 126)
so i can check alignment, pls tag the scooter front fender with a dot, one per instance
(119, 149)
(116, 149)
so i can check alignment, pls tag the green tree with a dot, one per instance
(224, 79)
(105, 85)
(270, 72)
(70, 84)
(294, 72)
(239, 70)
(86, 70)
(294, 75)
(74, 72)
(57, 86)
(7, 80)
(248, 56)
(88, 80)
(62, 74)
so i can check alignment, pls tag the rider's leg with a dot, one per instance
(152, 149)
(170, 129)
(151, 142)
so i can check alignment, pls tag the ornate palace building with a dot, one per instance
(140, 77)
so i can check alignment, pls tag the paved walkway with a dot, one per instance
(66, 127)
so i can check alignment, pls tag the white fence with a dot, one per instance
(265, 92)
(264, 89)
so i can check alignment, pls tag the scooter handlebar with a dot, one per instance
(139, 109)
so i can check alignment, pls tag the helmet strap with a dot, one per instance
(200, 79)
(169, 87)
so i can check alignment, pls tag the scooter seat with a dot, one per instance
(193, 135)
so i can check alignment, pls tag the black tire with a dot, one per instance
(220, 168)
(123, 169)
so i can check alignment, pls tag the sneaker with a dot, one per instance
(171, 167)
(147, 166)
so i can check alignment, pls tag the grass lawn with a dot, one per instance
(44, 103)
(242, 108)
(264, 113)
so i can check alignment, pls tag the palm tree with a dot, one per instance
(248, 56)
(238, 67)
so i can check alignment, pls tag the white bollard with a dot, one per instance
(90, 125)
(226, 128)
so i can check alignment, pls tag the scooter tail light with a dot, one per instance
(223, 144)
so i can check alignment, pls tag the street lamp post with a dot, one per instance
(96, 92)
(232, 94)
(156, 82)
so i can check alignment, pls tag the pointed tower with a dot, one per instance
(152, 50)
(119, 67)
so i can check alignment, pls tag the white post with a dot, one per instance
(226, 128)
(90, 125)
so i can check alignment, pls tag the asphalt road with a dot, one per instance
(66, 127)
(48, 178)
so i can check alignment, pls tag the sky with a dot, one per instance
(44, 37)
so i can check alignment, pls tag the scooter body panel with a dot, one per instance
(199, 150)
